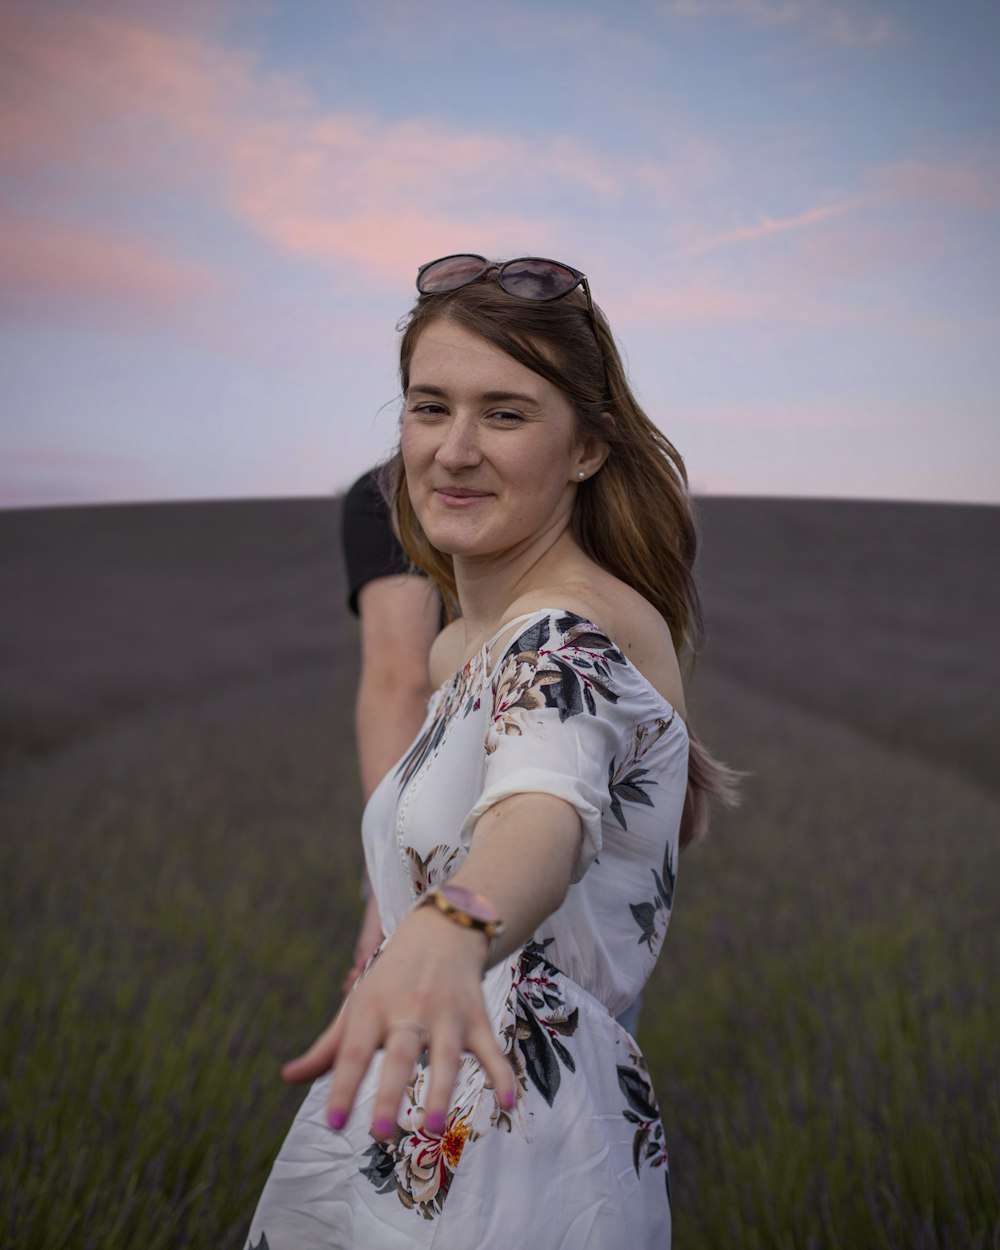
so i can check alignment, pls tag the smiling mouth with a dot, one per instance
(460, 492)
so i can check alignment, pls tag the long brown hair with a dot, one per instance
(633, 517)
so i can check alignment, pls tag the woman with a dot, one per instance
(523, 853)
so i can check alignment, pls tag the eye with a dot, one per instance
(504, 416)
(427, 408)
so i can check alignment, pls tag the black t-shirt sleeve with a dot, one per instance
(371, 549)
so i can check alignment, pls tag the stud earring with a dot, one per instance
(581, 475)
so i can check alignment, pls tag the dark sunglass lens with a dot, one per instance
(536, 279)
(450, 273)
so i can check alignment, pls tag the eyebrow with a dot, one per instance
(492, 397)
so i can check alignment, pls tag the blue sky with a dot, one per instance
(212, 216)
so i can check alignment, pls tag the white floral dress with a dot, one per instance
(580, 1162)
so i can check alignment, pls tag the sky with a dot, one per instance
(212, 213)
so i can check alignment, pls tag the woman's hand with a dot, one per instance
(423, 991)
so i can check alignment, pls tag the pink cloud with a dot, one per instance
(110, 94)
(45, 265)
(768, 227)
(342, 188)
(310, 187)
(117, 92)
(72, 80)
(387, 246)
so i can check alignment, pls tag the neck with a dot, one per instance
(488, 585)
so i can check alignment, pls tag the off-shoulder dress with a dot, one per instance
(580, 1163)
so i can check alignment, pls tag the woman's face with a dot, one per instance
(491, 449)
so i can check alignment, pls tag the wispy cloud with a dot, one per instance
(896, 214)
(818, 18)
(347, 188)
(768, 227)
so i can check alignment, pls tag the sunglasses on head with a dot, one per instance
(528, 277)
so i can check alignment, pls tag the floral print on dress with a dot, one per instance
(433, 869)
(538, 1018)
(653, 916)
(444, 706)
(417, 1166)
(627, 782)
(648, 1145)
(564, 675)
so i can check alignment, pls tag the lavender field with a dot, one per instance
(179, 867)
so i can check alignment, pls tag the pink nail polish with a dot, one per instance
(384, 1127)
(434, 1123)
(336, 1119)
(507, 1100)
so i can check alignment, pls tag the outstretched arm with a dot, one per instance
(522, 857)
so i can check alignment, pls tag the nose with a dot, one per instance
(459, 448)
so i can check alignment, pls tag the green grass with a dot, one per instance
(167, 947)
(823, 1026)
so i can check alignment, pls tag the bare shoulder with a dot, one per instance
(446, 653)
(629, 620)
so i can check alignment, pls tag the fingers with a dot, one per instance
(355, 1052)
(403, 1041)
(398, 1009)
(404, 1044)
(445, 1057)
(483, 1043)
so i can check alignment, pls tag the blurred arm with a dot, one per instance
(399, 621)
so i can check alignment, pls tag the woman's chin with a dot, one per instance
(457, 549)
(460, 546)
(455, 536)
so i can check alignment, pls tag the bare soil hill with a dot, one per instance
(881, 615)
(108, 610)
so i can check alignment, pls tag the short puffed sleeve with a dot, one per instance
(555, 724)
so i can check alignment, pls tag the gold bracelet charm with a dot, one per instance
(468, 909)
